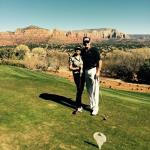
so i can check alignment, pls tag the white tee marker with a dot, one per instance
(100, 138)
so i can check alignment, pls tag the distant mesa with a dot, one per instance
(36, 35)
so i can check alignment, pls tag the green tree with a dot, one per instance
(144, 72)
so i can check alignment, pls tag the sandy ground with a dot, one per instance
(110, 83)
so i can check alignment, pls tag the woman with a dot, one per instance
(76, 66)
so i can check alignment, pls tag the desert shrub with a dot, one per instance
(20, 51)
(125, 64)
(39, 51)
(123, 72)
(116, 59)
(22, 47)
(35, 62)
(57, 60)
(37, 59)
(6, 53)
(11, 62)
(144, 72)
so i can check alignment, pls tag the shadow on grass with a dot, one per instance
(91, 144)
(58, 99)
(61, 100)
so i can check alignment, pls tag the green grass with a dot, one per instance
(36, 114)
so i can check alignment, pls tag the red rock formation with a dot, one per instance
(36, 35)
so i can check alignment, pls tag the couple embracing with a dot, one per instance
(86, 66)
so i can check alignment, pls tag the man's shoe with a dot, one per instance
(94, 112)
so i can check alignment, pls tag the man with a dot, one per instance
(92, 67)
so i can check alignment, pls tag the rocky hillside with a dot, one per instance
(36, 35)
(140, 36)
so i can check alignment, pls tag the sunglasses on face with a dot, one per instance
(85, 42)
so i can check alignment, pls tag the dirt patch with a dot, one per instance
(52, 105)
(110, 83)
(119, 84)
(67, 147)
(8, 142)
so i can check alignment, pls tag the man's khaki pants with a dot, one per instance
(92, 85)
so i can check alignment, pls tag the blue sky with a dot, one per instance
(130, 16)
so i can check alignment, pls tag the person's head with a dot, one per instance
(77, 50)
(86, 42)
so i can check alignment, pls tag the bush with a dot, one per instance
(123, 72)
(39, 51)
(57, 60)
(144, 72)
(10, 62)
(37, 59)
(6, 53)
(125, 64)
(35, 62)
(20, 51)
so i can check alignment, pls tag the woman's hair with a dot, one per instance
(77, 48)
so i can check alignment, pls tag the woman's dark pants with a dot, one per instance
(79, 81)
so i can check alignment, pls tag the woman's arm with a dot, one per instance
(73, 68)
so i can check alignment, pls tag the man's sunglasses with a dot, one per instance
(86, 42)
